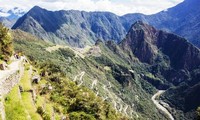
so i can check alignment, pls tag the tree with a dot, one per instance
(6, 47)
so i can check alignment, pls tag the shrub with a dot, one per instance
(6, 47)
(40, 110)
(67, 52)
(80, 116)
(44, 115)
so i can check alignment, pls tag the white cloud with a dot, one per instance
(119, 7)
(4, 14)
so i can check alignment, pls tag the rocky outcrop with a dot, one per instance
(147, 43)
(141, 40)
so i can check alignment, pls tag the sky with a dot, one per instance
(119, 7)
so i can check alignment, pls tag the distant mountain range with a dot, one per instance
(79, 28)
(9, 17)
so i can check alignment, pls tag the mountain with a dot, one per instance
(76, 28)
(172, 59)
(101, 68)
(79, 28)
(9, 17)
(182, 19)
(146, 42)
(129, 71)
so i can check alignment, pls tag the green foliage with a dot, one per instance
(6, 48)
(66, 52)
(80, 116)
(80, 103)
(69, 98)
(44, 115)
(40, 110)
(14, 108)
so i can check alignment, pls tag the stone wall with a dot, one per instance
(9, 82)
(6, 85)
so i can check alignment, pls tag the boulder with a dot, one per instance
(36, 79)
(3, 66)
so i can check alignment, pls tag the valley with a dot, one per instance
(78, 65)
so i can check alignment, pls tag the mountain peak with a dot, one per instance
(146, 43)
(139, 22)
(140, 25)
(36, 9)
(142, 40)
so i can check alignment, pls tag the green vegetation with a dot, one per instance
(79, 101)
(6, 48)
(14, 107)
(69, 100)
(26, 95)
(29, 105)
(22, 102)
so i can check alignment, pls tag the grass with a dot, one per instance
(19, 108)
(14, 107)
(29, 105)
(27, 96)
(25, 81)
(48, 106)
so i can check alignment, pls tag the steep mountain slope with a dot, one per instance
(172, 59)
(71, 27)
(79, 28)
(45, 91)
(101, 69)
(126, 73)
(182, 19)
(145, 42)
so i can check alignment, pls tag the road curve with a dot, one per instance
(159, 106)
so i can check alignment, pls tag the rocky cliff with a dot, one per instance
(146, 43)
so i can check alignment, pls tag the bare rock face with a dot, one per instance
(147, 43)
(182, 54)
(141, 40)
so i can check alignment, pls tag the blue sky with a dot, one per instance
(119, 7)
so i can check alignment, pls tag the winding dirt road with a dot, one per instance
(159, 106)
